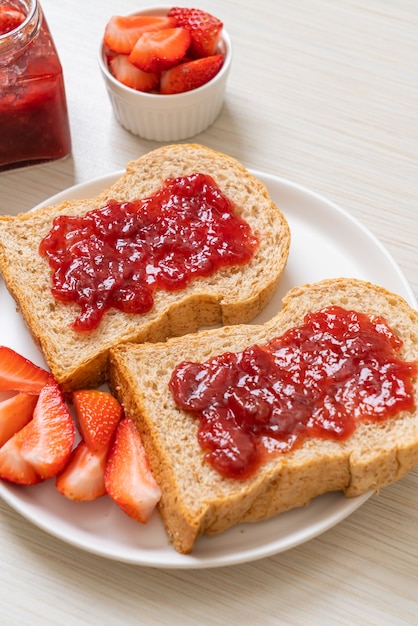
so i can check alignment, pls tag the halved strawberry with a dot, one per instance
(122, 32)
(15, 413)
(156, 51)
(205, 29)
(50, 434)
(10, 18)
(190, 75)
(98, 414)
(19, 374)
(82, 479)
(131, 76)
(128, 478)
(13, 467)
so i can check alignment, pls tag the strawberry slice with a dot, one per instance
(10, 18)
(98, 414)
(205, 29)
(190, 75)
(15, 413)
(19, 374)
(13, 467)
(50, 434)
(156, 51)
(128, 478)
(131, 76)
(122, 32)
(82, 479)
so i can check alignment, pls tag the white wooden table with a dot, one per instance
(323, 93)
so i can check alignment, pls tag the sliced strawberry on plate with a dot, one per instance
(205, 29)
(19, 374)
(98, 414)
(50, 434)
(82, 479)
(190, 75)
(15, 413)
(122, 32)
(10, 18)
(131, 76)
(128, 478)
(156, 51)
(13, 467)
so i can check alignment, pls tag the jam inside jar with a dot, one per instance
(33, 110)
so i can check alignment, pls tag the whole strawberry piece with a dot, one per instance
(122, 32)
(156, 51)
(190, 75)
(205, 29)
(15, 413)
(19, 374)
(127, 74)
(128, 478)
(98, 414)
(50, 435)
(13, 467)
(82, 479)
(10, 18)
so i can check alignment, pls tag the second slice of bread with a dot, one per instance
(230, 296)
(195, 498)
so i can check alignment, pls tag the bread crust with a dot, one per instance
(195, 498)
(233, 295)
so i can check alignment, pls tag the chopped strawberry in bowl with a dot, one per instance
(165, 70)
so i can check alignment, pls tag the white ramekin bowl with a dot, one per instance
(171, 117)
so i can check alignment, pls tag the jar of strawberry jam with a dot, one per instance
(34, 123)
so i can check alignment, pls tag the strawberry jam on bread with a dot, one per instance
(231, 295)
(196, 497)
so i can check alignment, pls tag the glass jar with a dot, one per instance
(34, 123)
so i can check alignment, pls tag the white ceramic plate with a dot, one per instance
(326, 242)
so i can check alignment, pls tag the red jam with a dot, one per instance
(33, 111)
(318, 380)
(118, 255)
(10, 18)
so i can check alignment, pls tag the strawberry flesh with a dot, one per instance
(50, 434)
(156, 44)
(190, 75)
(82, 479)
(205, 29)
(130, 76)
(156, 51)
(13, 467)
(98, 414)
(128, 478)
(19, 374)
(122, 32)
(10, 18)
(15, 413)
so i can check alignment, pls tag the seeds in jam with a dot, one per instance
(317, 380)
(118, 255)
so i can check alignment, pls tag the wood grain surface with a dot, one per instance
(323, 93)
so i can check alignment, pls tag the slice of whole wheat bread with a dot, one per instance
(195, 498)
(232, 295)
